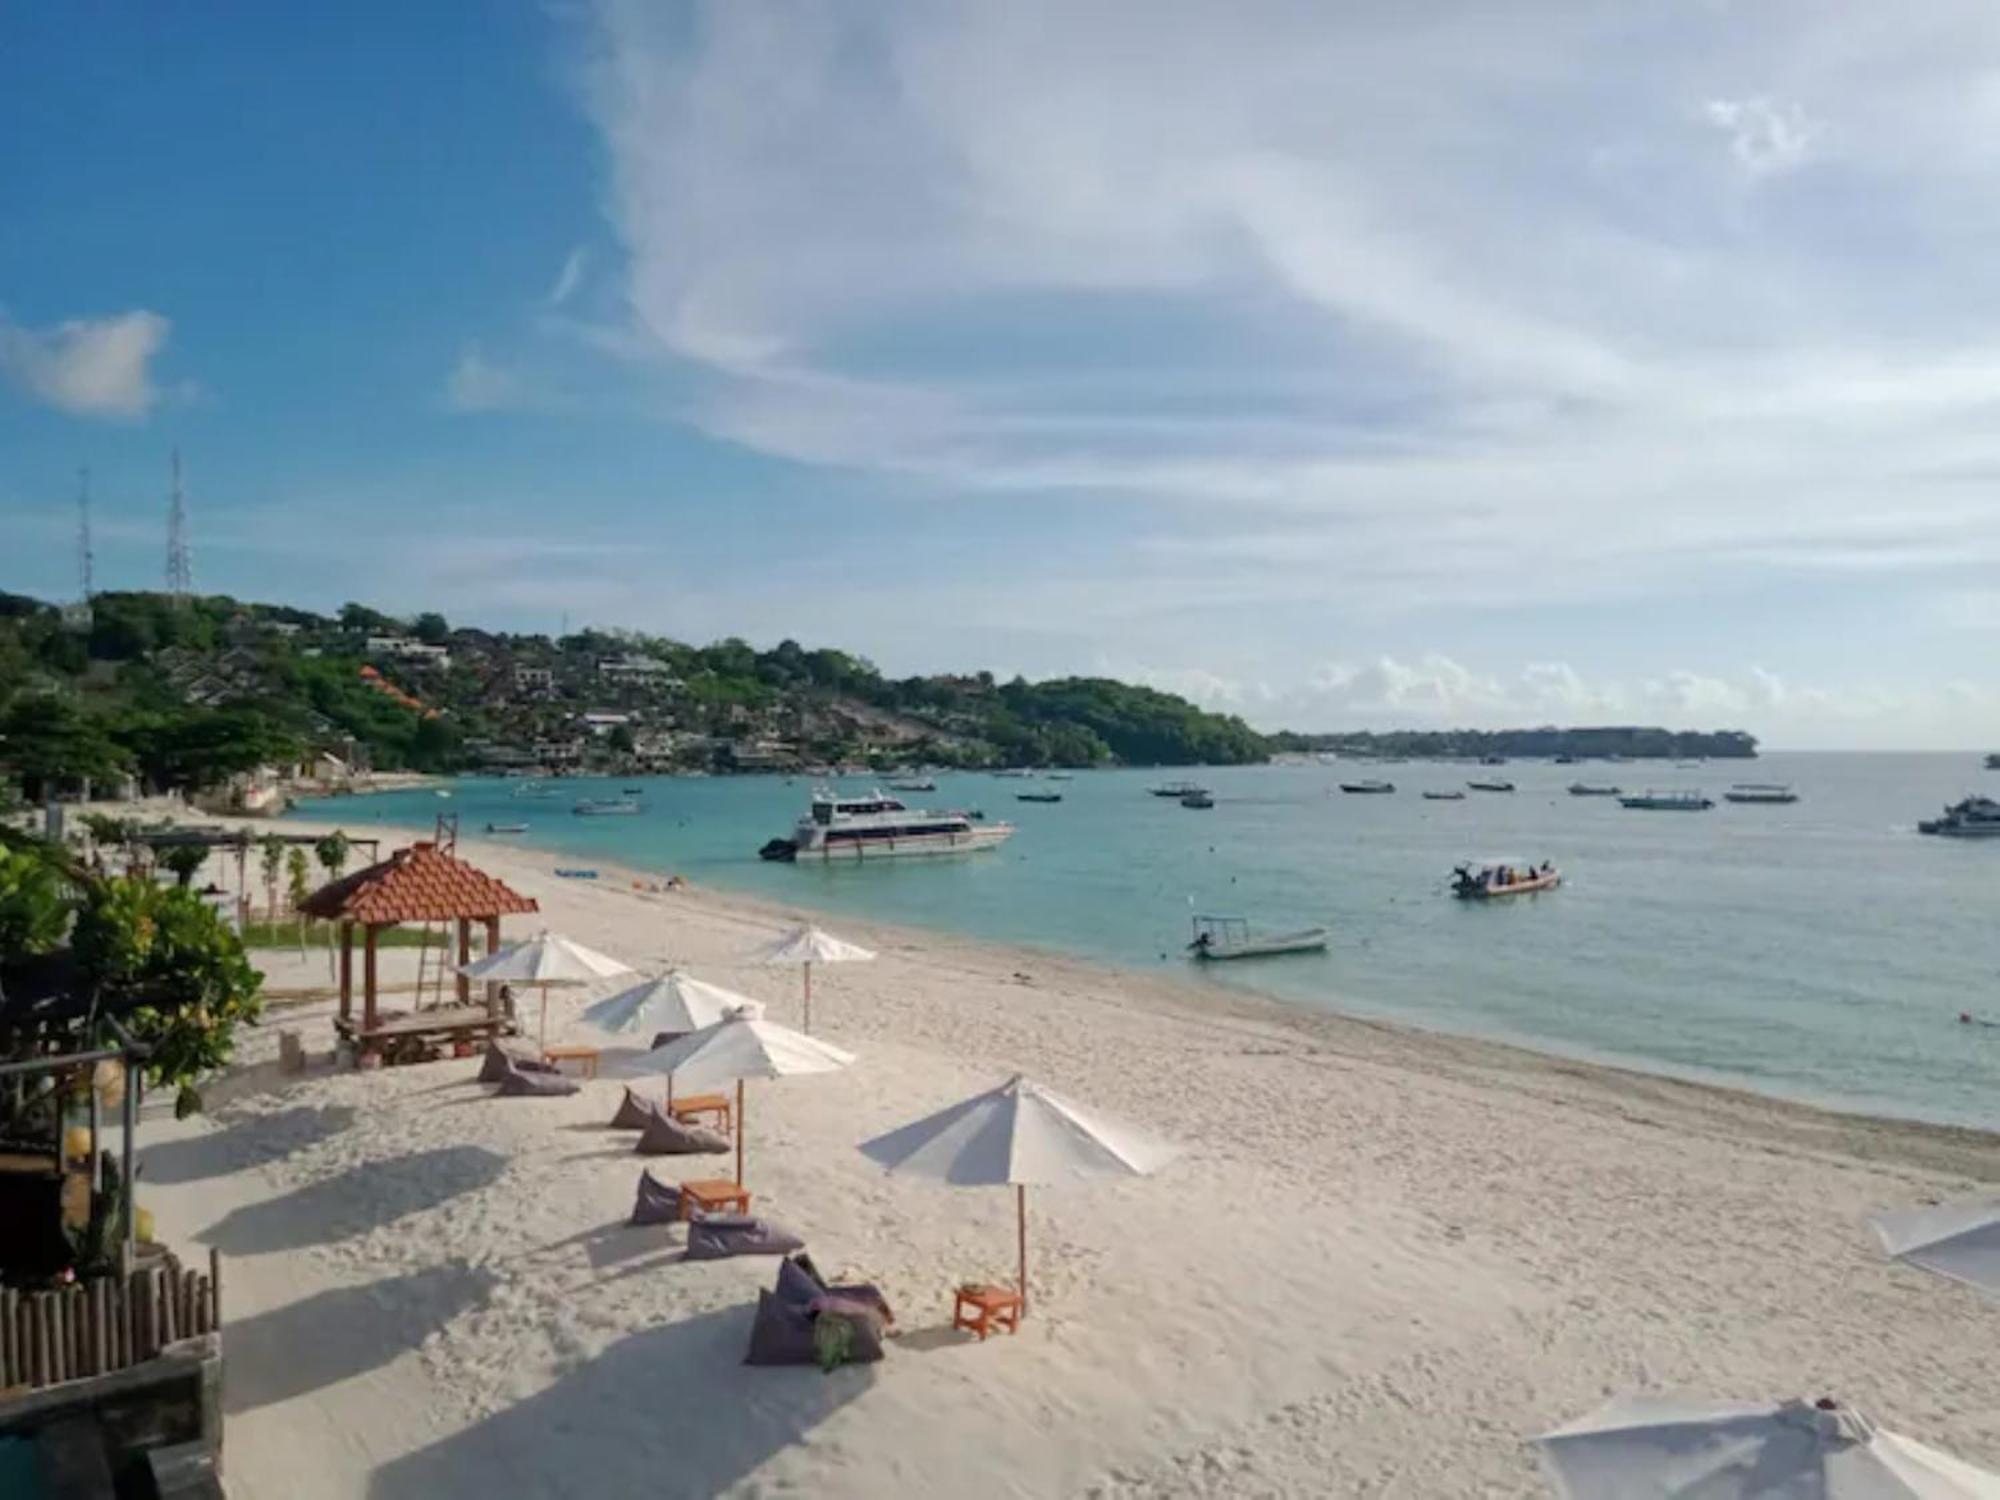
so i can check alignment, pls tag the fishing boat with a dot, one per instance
(1993, 762)
(608, 807)
(1586, 789)
(1760, 792)
(1444, 796)
(1650, 801)
(879, 826)
(1232, 937)
(1483, 882)
(1494, 785)
(506, 827)
(1370, 788)
(1174, 789)
(1493, 760)
(1974, 818)
(1199, 797)
(1565, 760)
(1038, 796)
(913, 784)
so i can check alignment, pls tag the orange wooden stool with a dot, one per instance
(584, 1057)
(691, 1107)
(981, 1309)
(710, 1194)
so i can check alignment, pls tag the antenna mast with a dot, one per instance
(84, 556)
(180, 566)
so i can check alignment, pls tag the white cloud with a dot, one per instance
(478, 384)
(1765, 137)
(569, 278)
(92, 367)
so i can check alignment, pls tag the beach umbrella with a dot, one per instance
(1648, 1449)
(806, 946)
(1960, 1240)
(547, 959)
(742, 1047)
(675, 1002)
(1018, 1135)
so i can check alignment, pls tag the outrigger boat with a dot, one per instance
(1231, 937)
(1668, 802)
(1585, 789)
(1760, 791)
(1368, 788)
(1491, 786)
(1444, 796)
(1174, 789)
(1484, 882)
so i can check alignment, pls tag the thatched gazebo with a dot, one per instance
(418, 884)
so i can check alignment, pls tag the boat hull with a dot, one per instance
(911, 846)
(1313, 941)
(1517, 888)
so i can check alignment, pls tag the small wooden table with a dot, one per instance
(584, 1057)
(711, 1194)
(981, 1309)
(691, 1107)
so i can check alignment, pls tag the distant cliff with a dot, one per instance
(1632, 742)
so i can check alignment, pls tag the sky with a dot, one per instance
(1357, 365)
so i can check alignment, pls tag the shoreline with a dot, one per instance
(1616, 1088)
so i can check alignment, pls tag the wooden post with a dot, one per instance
(808, 1023)
(492, 986)
(368, 979)
(101, 1322)
(10, 1355)
(52, 1339)
(739, 1132)
(346, 970)
(215, 1289)
(464, 958)
(31, 1339)
(1021, 1215)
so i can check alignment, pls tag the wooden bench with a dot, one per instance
(584, 1057)
(410, 1035)
(981, 1309)
(713, 1195)
(689, 1109)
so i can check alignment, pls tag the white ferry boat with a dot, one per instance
(879, 826)
(1974, 818)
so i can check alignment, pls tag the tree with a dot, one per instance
(138, 940)
(34, 910)
(185, 860)
(331, 852)
(432, 628)
(620, 740)
(271, 863)
(298, 876)
(50, 740)
(198, 747)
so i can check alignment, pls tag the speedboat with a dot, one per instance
(506, 827)
(1198, 797)
(1491, 786)
(608, 807)
(1760, 791)
(1369, 788)
(914, 784)
(1486, 881)
(1444, 796)
(1585, 789)
(1668, 802)
(1038, 796)
(1232, 937)
(1174, 789)
(1974, 818)
(879, 826)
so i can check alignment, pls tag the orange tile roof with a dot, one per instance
(417, 884)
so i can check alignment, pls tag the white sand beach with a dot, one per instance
(1382, 1262)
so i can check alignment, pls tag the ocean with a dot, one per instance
(1820, 951)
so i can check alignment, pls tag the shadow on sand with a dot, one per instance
(347, 1331)
(354, 1202)
(244, 1142)
(671, 1410)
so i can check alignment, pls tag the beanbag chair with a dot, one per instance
(658, 1202)
(499, 1059)
(635, 1111)
(779, 1335)
(661, 1038)
(663, 1135)
(719, 1236)
(800, 1282)
(845, 1332)
(519, 1085)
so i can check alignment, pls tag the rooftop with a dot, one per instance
(417, 884)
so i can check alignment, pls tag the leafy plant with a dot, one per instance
(184, 860)
(331, 852)
(271, 863)
(298, 876)
(34, 907)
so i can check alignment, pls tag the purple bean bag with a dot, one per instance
(846, 1332)
(719, 1236)
(800, 1283)
(658, 1203)
(779, 1335)
(635, 1111)
(663, 1135)
(498, 1060)
(519, 1085)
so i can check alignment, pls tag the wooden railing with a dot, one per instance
(105, 1323)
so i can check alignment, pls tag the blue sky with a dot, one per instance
(1338, 365)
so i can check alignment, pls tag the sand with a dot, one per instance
(1384, 1260)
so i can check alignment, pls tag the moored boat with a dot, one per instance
(1369, 788)
(1233, 937)
(878, 826)
(506, 827)
(1038, 796)
(1174, 789)
(913, 784)
(1973, 818)
(1444, 796)
(1760, 791)
(1586, 789)
(608, 807)
(1199, 797)
(1491, 785)
(1651, 801)
(1484, 882)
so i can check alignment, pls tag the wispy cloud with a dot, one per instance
(569, 278)
(1765, 137)
(479, 384)
(90, 367)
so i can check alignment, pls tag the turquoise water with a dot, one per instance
(1820, 951)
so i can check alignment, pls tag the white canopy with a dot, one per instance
(546, 958)
(743, 1047)
(1018, 1133)
(1960, 1240)
(1644, 1449)
(811, 945)
(674, 1002)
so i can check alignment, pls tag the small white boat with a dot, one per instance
(1770, 792)
(1232, 937)
(1586, 789)
(1444, 796)
(1485, 882)
(608, 807)
(1174, 789)
(1062, 775)
(1200, 797)
(1369, 788)
(914, 784)
(1668, 802)
(1494, 785)
(506, 827)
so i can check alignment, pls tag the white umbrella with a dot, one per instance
(545, 959)
(1960, 1240)
(1646, 1449)
(806, 946)
(675, 1002)
(742, 1047)
(1016, 1135)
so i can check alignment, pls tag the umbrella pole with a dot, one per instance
(1021, 1218)
(545, 1021)
(808, 1026)
(739, 1132)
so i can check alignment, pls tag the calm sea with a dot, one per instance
(1821, 950)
